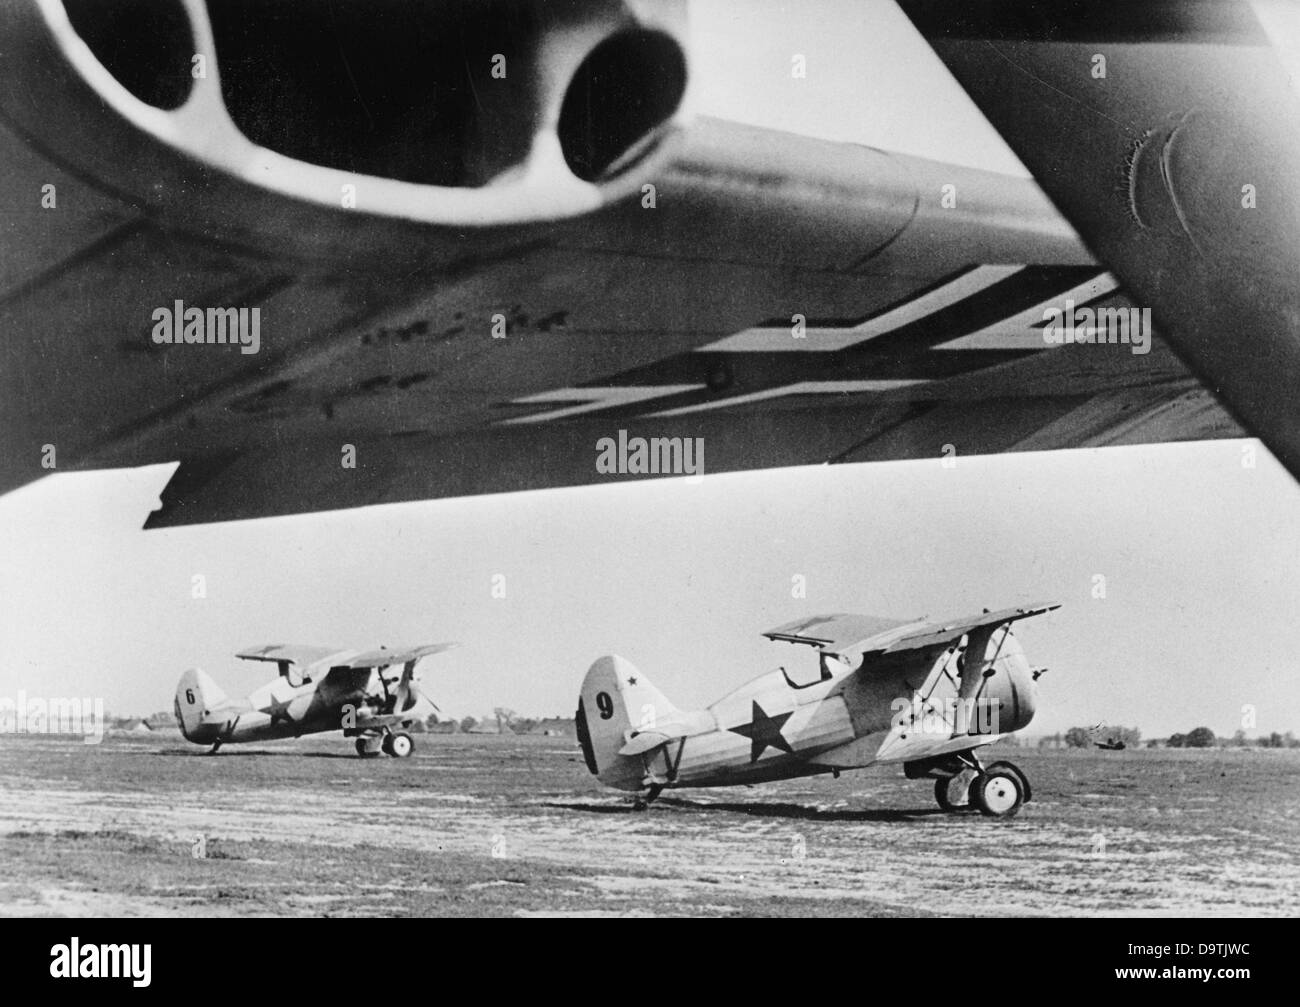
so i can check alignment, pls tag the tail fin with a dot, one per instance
(196, 695)
(617, 699)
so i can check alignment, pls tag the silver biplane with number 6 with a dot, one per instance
(361, 693)
(923, 694)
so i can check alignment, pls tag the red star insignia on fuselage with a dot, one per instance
(764, 732)
(279, 711)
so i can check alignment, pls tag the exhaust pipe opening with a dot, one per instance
(147, 45)
(400, 89)
(627, 87)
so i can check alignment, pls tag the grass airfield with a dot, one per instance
(484, 825)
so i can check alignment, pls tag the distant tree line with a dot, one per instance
(1203, 737)
(505, 718)
(1131, 737)
(1274, 740)
(1197, 737)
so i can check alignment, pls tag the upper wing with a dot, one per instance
(847, 635)
(938, 635)
(1168, 132)
(833, 633)
(382, 658)
(288, 653)
(492, 302)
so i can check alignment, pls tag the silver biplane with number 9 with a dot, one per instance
(318, 689)
(920, 693)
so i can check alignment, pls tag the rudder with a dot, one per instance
(615, 700)
(196, 695)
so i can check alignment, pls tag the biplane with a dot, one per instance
(926, 695)
(368, 695)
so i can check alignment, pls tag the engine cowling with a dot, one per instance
(997, 674)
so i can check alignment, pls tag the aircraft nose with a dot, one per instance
(1019, 695)
(1011, 686)
(1024, 694)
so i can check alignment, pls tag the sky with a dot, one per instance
(1198, 552)
(870, 78)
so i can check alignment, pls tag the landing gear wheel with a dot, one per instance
(399, 746)
(1011, 767)
(365, 749)
(954, 793)
(998, 792)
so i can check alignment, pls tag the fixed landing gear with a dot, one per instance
(1000, 790)
(997, 791)
(399, 745)
(954, 793)
(643, 800)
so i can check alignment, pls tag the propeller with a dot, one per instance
(408, 689)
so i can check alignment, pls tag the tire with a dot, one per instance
(998, 793)
(1011, 767)
(954, 793)
(399, 746)
(364, 750)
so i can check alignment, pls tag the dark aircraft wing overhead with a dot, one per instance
(1168, 132)
(506, 293)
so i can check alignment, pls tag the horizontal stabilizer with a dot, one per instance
(646, 741)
